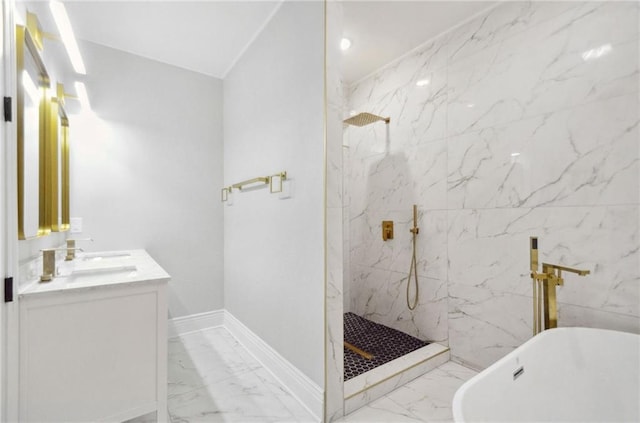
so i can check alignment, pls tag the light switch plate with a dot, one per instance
(76, 225)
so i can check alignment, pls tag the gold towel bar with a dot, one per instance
(274, 182)
(240, 185)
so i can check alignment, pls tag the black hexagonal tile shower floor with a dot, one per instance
(383, 342)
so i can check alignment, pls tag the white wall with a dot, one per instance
(146, 169)
(517, 79)
(274, 249)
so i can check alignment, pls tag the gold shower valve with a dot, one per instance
(387, 229)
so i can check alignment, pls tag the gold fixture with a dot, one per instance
(358, 351)
(66, 34)
(279, 177)
(71, 247)
(29, 63)
(58, 142)
(365, 118)
(387, 230)
(62, 94)
(33, 25)
(274, 181)
(49, 263)
(225, 193)
(413, 267)
(533, 266)
(240, 185)
(545, 307)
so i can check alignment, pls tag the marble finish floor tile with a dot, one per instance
(425, 399)
(212, 378)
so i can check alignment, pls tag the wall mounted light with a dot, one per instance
(68, 38)
(33, 26)
(80, 96)
(345, 43)
(30, 88)
(81, 92)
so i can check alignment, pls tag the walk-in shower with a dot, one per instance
(382, 343)
(369, 344)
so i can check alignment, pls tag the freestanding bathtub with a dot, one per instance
(560, 375)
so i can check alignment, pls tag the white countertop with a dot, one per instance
(96, 270)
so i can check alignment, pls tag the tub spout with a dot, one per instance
(552, 268)
(545, 306)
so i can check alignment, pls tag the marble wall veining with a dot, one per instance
(525, 123)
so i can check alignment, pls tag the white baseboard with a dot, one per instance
(299, 385)
(306, 391)
(182, 325)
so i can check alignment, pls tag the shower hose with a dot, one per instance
(413, 269)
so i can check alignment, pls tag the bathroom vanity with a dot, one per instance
(93, 342)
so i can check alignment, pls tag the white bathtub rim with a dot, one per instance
(460, 393)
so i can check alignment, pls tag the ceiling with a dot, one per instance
(209, 36)
(203, 36)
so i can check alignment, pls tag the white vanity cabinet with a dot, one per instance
(94, 348)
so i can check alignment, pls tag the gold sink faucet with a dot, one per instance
(49, 262)
(71, 247)
(545, 306)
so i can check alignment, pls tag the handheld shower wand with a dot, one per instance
(413, 269)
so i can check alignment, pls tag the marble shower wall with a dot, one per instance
(526, 123)
(334, 217)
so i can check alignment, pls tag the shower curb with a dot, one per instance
(378, 382)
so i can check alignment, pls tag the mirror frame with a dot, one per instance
(25, 45)
(59, 163)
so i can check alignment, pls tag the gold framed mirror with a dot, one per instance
(32, 117)
(58, 154)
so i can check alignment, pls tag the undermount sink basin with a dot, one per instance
(101, 273)
(104, 255)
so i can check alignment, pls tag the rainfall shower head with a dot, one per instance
(365, 118)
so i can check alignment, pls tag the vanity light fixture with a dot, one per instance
(81, 92)
(30, 87)
(345, 43)
(37, 35)
(61, 94)
(66, 33)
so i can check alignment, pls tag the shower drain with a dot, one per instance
(383, 342)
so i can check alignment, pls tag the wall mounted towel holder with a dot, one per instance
(274, 181)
